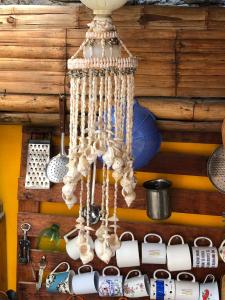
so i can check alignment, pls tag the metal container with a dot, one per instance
(157, 198)
(37, 158)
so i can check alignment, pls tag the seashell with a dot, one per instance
(73, 172)
(103, 251)
(117, 175)
(83, 165)
(107, 254)
(83, 142)
(101, 231)
(69, 200)
(118, 163)
(73, 161)
(99, 147)
(90, 154)
(80, 220)
(114, 242)
(68, 189)
(108, 157)
(86, 253)
(68, 179)
(99, 247)
(129, 198)
(128, 189)
(113, 219)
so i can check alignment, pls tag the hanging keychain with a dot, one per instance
(24, 245)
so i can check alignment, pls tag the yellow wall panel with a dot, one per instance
(10, 149)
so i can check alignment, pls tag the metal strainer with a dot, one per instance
(57, 167)
(216, 165)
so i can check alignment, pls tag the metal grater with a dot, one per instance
(37, 158)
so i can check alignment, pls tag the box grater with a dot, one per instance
(38, 157)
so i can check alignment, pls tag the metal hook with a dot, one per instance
(25, 228)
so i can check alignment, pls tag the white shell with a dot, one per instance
(83, 165)
(129, 198)
(68, 189)
(90, 154)
(73, 172)
(98, 147)
(118, 163)
(108, 157)
(114, 242)
(69, 201)
(86, 253)
(103, 251)
(117, 174)
(68, 179)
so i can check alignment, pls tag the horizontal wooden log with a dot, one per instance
(192, 137)
(50, 17)
(200, 92)
(182, 201)
(31, 119)
(190, 126)
(177, 163)
(163, 108)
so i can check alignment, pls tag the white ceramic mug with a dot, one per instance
(136, 287)
(72, 247)
(186, 290)
(204, 256)
(162, 288)
(209, 290)
(128, 253)
(153, 253)
(178, 256)
(85, 283)
(110, 285)
(222, 251)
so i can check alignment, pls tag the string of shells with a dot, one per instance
(101, 123)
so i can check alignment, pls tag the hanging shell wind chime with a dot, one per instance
(101, 106)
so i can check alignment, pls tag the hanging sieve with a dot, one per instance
(37, 158)
(57, 167)
(216, 165)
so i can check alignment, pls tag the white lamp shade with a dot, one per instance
(103, 7)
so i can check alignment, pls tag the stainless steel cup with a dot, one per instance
(157, 198)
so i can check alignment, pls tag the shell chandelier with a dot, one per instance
(101, 118)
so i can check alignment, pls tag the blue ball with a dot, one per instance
(146, 136)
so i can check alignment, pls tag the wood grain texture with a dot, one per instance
(173, 45)
(38, 222)
(163, 108)
(182, 201)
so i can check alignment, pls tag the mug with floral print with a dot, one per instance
(137, 286)
(60, 282)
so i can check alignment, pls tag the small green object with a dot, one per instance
(49, 239)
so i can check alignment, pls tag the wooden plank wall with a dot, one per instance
(181, 66)
(180, 50)
(183, 201)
